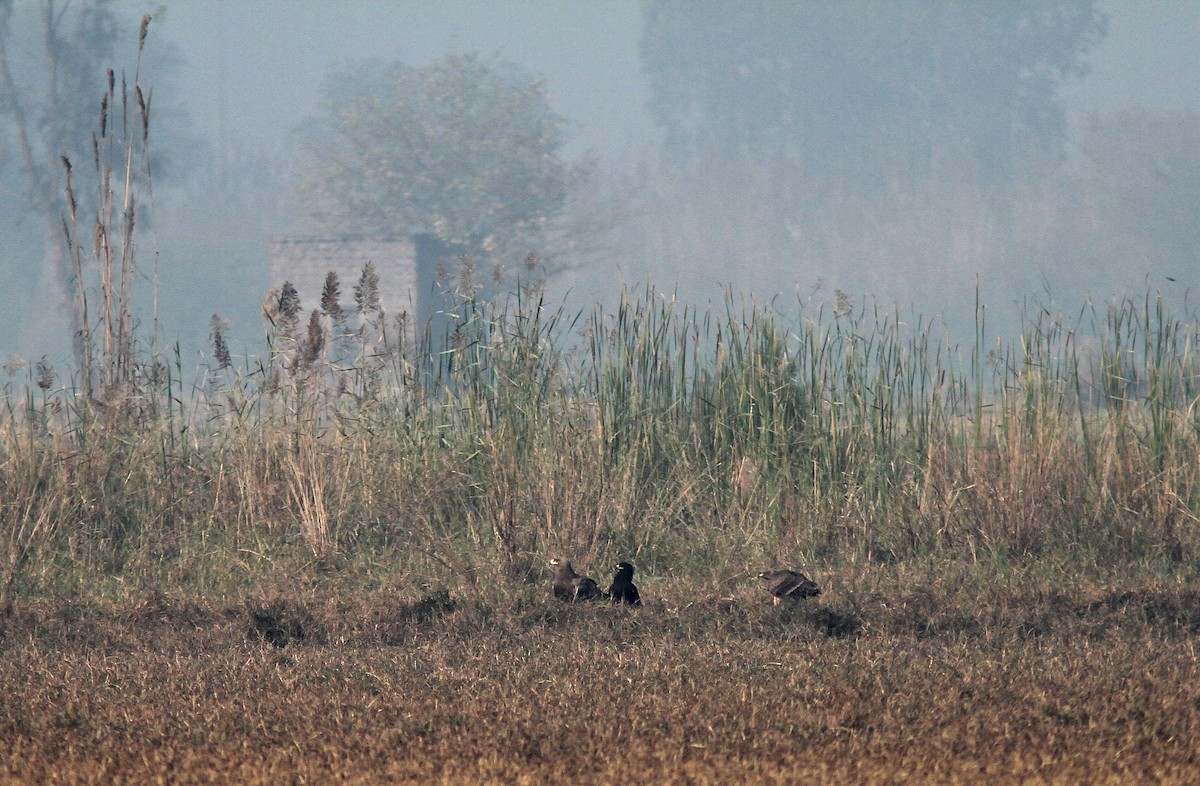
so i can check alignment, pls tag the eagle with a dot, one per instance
(790, 584)
(569, 585)
(623, 590)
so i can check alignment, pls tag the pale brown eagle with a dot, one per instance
(791, 584)
(569, 585)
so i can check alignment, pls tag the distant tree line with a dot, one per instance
(852, 89)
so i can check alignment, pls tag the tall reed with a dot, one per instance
(696, 438)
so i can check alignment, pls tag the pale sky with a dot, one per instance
(257, 69)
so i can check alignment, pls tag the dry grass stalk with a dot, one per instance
(307, 479)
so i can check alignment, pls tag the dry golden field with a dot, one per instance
(888, 677)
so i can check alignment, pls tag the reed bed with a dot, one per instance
(691, 440)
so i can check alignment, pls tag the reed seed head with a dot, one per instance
(316, 339)
(366, 291)
(220, 347)
(44, 374)
(331, 296)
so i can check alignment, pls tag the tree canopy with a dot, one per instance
(52, 63)
(835, 85)
(464, 149)
(64, 99)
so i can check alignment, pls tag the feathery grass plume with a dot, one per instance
(468, 266)
(44, 374)
(143, 30)
(340, 334)
(371, 332)
(331, 296)
(366, 291)
(314, 342)
(220, 348)
(842, 304)
(287, 310)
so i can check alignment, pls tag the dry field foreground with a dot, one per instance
(929, 684)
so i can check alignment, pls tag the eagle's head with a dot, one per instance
(563, 568)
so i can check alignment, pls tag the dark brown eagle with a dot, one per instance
(569, 585)
(791, 584)
(623, 590)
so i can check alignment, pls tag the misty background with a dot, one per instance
(899, 154)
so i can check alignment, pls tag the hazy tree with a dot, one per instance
(845, 88)
(56, 69)
(463, 149)
(51, 79)
(1140, 194)
(894, 147)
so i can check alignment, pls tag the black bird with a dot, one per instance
(623, 590)
(791, 584)
(569, 585)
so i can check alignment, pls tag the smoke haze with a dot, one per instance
(1111, 214)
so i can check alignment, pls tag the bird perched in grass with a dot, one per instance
(569, 585)
(791, 584)
(622, 589)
